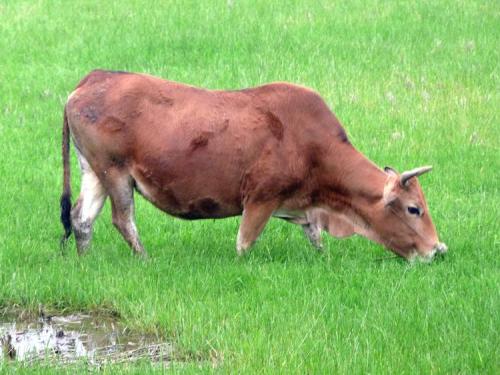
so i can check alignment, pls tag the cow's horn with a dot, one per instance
(406, 176)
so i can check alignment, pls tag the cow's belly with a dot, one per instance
(187, 199)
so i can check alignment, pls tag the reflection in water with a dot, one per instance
(68, 338)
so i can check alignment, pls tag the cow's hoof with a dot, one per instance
(141, 255)
(82, 251)
(242, 250)
(319, 247)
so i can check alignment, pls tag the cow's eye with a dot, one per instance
(414, 210)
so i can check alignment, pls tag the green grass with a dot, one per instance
(414, 83)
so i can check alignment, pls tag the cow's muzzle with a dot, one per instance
(441, 248)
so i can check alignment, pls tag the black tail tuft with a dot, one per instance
(66, 195)
(66, 216)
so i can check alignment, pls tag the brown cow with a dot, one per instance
(275, 150)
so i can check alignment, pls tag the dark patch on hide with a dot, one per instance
(113, 124)
(291, 188)
(117, 161)
(315, 196)
(342, 136)
(90, 113)
(275, 126)
(208, 205)
(205, 208)
(200, 141)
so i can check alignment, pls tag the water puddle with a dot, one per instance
(66, 339)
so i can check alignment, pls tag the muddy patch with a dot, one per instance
(80, 337)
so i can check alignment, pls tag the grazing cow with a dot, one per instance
(274, 150)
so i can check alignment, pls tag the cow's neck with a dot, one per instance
(355, 186)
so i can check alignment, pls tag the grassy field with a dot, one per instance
(414, 83)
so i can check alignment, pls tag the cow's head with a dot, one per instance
(400, 220)
(405, 225)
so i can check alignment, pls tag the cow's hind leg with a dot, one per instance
(121, 192)
(255, 217)
(87, 207)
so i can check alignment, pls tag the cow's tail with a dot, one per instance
(66, 194)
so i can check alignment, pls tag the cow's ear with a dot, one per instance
(391, 171)
(391, 189)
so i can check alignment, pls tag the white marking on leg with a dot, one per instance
(88, 206)
(240, 248)
(92, 193)
(93, 196)
(241, 244)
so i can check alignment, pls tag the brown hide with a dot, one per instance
(197, 153)
(200, 153)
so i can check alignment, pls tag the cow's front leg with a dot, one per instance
(255, 217)
(313, 233)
